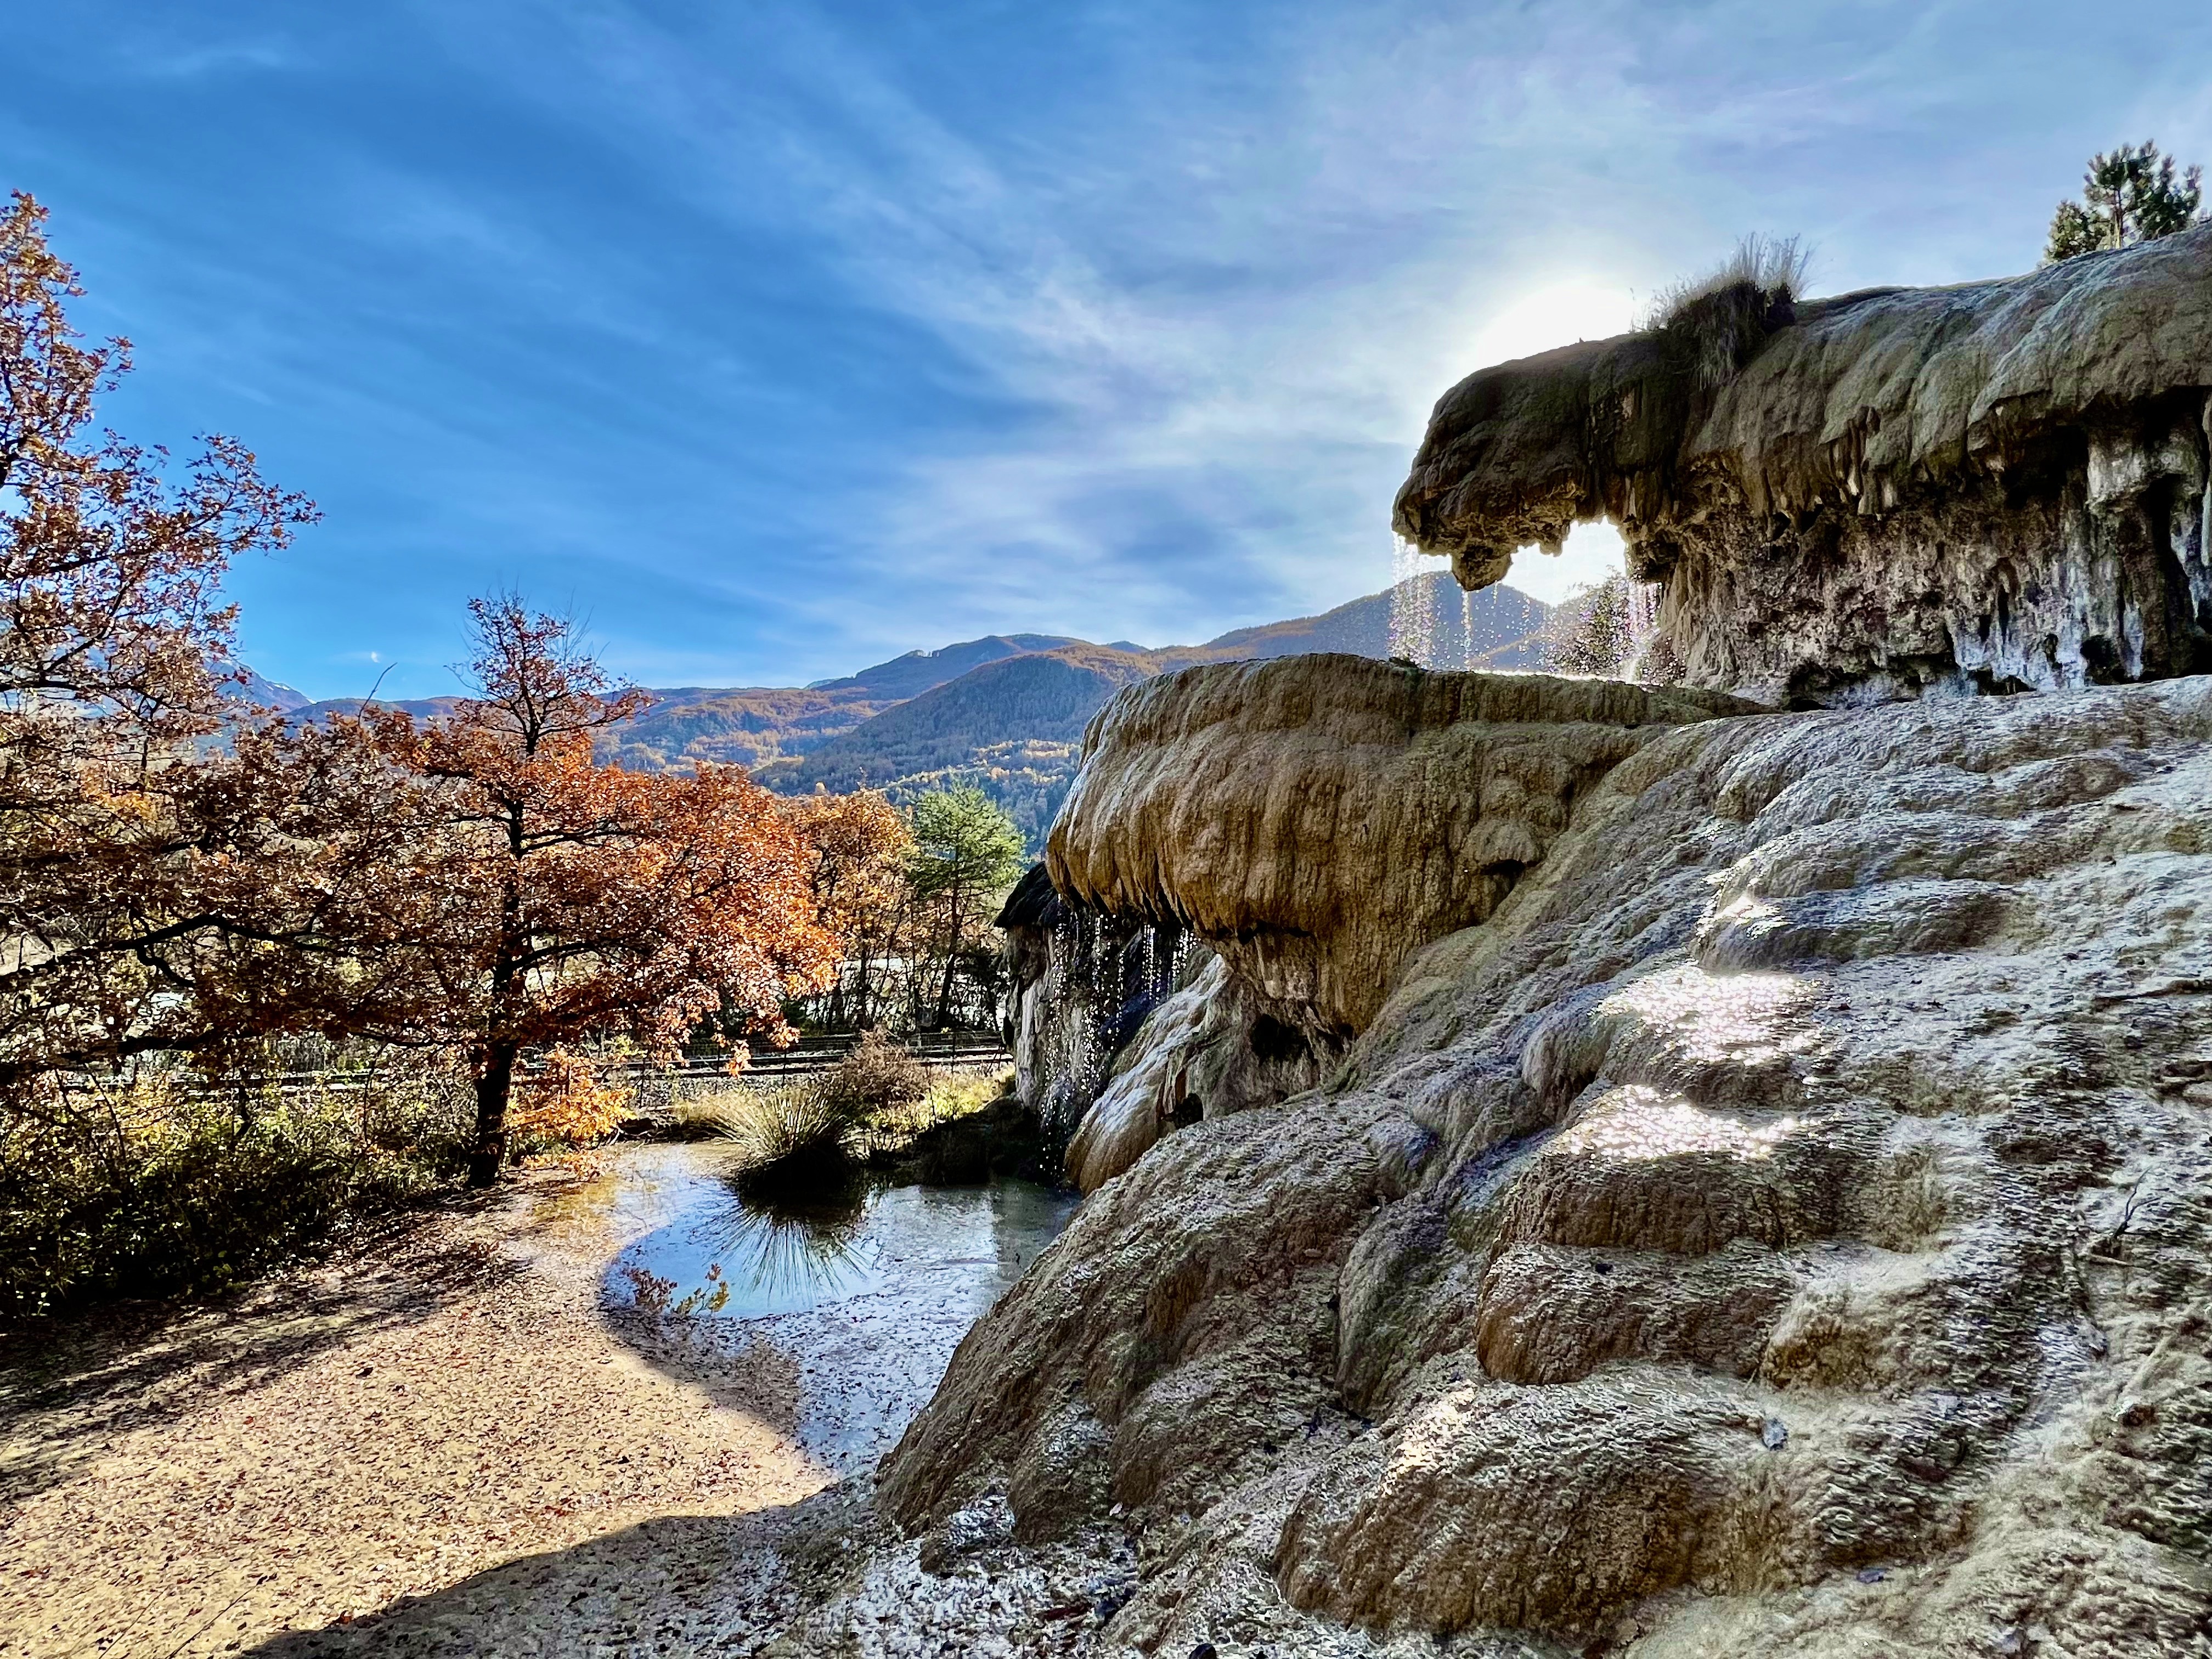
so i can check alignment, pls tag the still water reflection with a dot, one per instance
(867, 1289)
(738, 1257)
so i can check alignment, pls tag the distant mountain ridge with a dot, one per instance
(1012, 726)
(916, 671)
(1004, 713)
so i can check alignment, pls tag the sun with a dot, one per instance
(1549, 312)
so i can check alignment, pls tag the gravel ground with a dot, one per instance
(445, 1408)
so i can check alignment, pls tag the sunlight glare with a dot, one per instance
(1636, 1124)
(1593, 552)
(1554, 311)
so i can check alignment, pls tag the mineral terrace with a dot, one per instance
(1713, 1165)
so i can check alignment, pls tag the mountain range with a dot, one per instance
(1004, 713)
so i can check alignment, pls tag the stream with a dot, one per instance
(863, 1294)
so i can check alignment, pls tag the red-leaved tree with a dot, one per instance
(137, 864)
(544, 899)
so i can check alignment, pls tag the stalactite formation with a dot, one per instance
(1993, 486)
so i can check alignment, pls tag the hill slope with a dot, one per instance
(1012, 727)
(916, 671)
(1005, 712)
(752, 725)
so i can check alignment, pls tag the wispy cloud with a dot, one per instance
(198, 62)
(789, 334)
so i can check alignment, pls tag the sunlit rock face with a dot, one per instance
(1780, 1225)
(1996, 486)
(1312, 822)
(1316, 820)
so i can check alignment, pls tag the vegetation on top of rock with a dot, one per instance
(2128, 195)
(1713, 324)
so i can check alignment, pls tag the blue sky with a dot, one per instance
(777, 339)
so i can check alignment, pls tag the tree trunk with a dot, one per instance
(951, 957)
(493, 1085)
(495, 1080)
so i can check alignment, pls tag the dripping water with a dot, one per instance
(1413, 604)
(1104, 978)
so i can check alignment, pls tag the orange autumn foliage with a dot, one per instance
(181, 873)
(548, 899)
(569, 1101)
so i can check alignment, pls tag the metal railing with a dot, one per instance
(808, 1057)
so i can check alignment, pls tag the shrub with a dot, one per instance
(157, 1188)
(962, 1094)
(1598, 630)
(878, 1076)
(1710, 326)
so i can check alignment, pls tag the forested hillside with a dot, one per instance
(1004, 713)
(1011, 727)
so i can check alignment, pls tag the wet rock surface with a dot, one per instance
(1779, 1227)
(1994, 486)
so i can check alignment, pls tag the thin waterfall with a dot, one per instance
(1467, 629)
(1106, 978)
(1413, 604)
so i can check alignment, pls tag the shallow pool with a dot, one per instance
(867, 1291)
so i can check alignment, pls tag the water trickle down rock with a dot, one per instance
(1841, 1069)
(1084, 985)
(1996, 486)
(1845, 1068)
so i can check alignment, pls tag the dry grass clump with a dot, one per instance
(815, 1131)
(1775, 266)
(875, 1075)
(1715, 323)
(792, 1134)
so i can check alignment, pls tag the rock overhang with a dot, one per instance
(1316, 819)
(1995, 485)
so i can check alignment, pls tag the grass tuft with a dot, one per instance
(1714, 324)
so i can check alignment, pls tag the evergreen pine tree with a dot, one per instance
(2131, 195)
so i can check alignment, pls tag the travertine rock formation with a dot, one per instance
(1209, 1049)
(1996, 486)
(1782, 1226)
(1317, 819)
(1346, 812)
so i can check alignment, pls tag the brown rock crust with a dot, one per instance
(1995, 485)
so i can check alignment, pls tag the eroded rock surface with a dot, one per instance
(1992, 486)
(1312, 822)
(1781, 1227)
(1316, 820)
